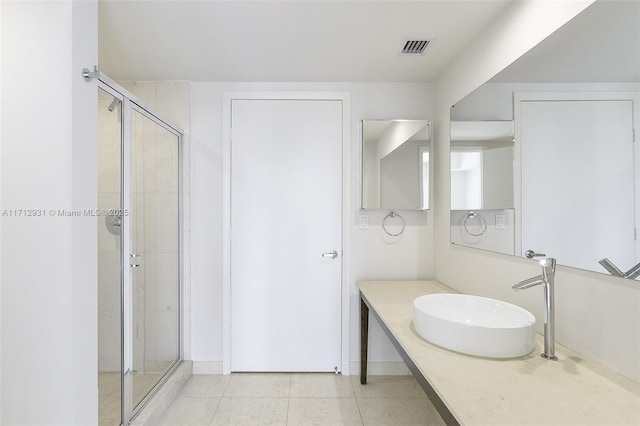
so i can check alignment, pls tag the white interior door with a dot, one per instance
(593, 139)
(286, 192)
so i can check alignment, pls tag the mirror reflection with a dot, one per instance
(481, 165)
(395, 164)
(568, 186)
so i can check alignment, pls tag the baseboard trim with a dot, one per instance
(207, 367)
(153, 412)
(379, 368)
(386, 368)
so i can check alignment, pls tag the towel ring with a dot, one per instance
(481, 222)
(384, 225)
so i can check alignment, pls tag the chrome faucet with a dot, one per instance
(611, 268)
(547, 281)
(632, 273)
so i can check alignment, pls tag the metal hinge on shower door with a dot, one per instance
(134, 260)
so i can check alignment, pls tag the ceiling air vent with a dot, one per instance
(414, 47)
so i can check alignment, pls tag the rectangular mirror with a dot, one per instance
(395, 164)
(569, 186)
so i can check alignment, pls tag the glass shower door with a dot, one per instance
(138, 253)
(109, 259)
(155, 249)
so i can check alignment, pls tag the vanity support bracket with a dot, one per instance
(365, 309)
(364, 339)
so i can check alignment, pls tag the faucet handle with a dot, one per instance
(530, 254)
(611, 268)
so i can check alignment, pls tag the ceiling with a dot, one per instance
(291, 41)
(601, 44)
(373, 129)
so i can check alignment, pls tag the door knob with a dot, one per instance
(332, 254)
(531, 254)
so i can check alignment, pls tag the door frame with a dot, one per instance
(130, 103)
(228, 97)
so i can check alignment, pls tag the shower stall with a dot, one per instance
(139, 252)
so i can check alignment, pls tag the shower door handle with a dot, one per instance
(332, 254)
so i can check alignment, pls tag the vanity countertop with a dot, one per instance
(527, 390)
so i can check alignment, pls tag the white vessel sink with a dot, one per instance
(474, 325)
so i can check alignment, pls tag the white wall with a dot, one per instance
(1, 206)
(49, 291)
(371, 256)
(597, 315)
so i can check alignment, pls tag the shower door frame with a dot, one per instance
(131, 103)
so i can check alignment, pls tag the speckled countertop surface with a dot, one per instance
(521, 391)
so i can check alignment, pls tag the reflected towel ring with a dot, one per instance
(481, 222)
(384, 225)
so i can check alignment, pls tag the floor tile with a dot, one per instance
(109, 407)
(205, 386)
(315, 385)
(323, 411)
(301, 399)
(258, 385)
(398, 411)
(191, 411)
(143, 383)
(387, 386)
(251, 411)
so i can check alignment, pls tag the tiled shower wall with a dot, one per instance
(109, 150)
(155, 210)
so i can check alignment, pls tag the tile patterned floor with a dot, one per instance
(109, 397)
(301, 399)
